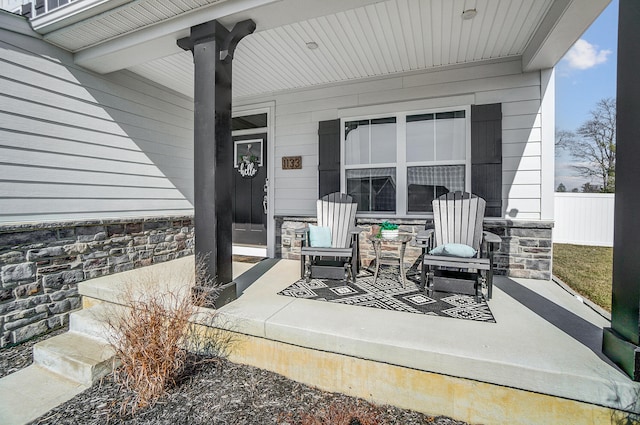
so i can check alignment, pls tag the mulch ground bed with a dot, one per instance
(221, 392)
(217, 392)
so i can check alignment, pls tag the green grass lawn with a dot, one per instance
(586, 269)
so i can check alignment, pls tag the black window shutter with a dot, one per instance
(486, 156)
(39, 7)
(26, 10)
(328, 157)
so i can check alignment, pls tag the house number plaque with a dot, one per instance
(291, 162)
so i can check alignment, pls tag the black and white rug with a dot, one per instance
(388, 294)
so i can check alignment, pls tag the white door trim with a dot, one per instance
(270, 109)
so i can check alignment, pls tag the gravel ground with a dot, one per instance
(217, 392)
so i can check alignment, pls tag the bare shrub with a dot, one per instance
(154, 332)
(349, 413)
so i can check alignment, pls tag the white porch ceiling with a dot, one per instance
(388, 37)
(356, 38)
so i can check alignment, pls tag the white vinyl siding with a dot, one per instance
(76, 145)
(84, 136)
(298, 114)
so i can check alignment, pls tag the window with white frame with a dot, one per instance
(400, 163)
(370, 153)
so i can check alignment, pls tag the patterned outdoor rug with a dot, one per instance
(389, 294)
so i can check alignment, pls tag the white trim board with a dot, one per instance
(251, 251)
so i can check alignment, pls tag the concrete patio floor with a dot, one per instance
(544, 342)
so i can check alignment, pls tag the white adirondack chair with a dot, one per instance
(457, 218)
(340, 261)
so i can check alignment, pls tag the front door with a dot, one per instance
(250, 189)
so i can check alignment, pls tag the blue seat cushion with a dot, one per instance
(454, 250)
(320, 236)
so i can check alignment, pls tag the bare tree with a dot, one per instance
(594, 145)
(564, 138)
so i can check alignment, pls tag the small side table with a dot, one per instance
(377, 242)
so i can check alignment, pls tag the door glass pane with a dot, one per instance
(421, 138)
(248, 122)
(427, 183)
(374, 189)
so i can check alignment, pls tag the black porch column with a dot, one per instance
(212, 46)
(621, 341)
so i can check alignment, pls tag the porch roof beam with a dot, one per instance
(159, 40)
(566, 21)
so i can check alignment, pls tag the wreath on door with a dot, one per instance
(248, 164)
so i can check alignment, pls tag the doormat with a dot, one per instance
(247, 259)
(388, 294)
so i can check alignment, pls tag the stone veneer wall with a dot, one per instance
(42, 263)
(525, 251)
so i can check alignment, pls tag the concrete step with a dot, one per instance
(76, 356)
(93, 321)
(31, 392)
(116, 288)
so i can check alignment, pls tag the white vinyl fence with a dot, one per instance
(584, 218)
